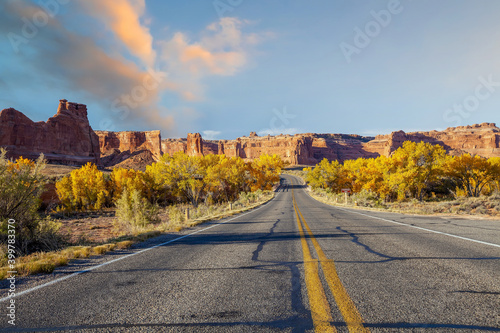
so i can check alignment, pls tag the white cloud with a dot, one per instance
(211, 135)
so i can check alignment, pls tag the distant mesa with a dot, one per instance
(67, 138)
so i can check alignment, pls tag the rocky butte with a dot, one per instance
(65, 138)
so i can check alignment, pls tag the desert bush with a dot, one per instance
(135, 210)
(367, 198)
(21, 184)
(481, 210)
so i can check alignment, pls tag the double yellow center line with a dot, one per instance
(320, 308)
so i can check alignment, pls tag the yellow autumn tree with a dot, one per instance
(471, 173)
(495, 165)
(414, 167)
(228, 178)
(83, 188)
(129, 179)
(327, 175)
(182, 175)
(265, 172)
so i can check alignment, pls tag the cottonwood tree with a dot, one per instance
(472, 173)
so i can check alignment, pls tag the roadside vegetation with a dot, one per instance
(176, 192)
(416, 178)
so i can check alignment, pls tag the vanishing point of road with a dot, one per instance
(291, 265)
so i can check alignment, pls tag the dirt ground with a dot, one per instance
(96, 228)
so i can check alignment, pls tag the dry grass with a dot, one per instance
(46, 262)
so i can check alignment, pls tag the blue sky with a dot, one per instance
(227, 67)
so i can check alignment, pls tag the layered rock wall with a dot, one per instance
(116, 147)
(311, 148)
(172, 146)
(65, 138)
(480, 139)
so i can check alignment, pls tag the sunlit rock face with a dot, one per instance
(65, 138)
(480, 139)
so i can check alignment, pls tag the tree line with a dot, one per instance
(415, 170)
(173, 179)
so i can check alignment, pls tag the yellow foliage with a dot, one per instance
(84, 188)
(128, 179)
(473, 174)
(265, 171)
(413, 170)
(213, 177)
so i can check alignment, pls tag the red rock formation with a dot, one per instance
(172, 146)
(210, 147)
(118, 146)
(310, 148)
(194, 144)
(65, 138)
(480, 139)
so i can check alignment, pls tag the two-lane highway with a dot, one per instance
(292, 265)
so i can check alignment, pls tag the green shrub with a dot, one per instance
(135, 210)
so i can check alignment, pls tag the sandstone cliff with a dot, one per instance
(141, 147)
(65, 138)
(311, 148)
(480, 139)
(305, 149)
(295, 149)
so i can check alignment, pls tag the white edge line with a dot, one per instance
(124, 257)
(420, 228)
(407, 225)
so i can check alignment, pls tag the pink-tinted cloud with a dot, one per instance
(123, 18)
(223, 49)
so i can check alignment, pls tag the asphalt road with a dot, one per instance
(376, 272)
